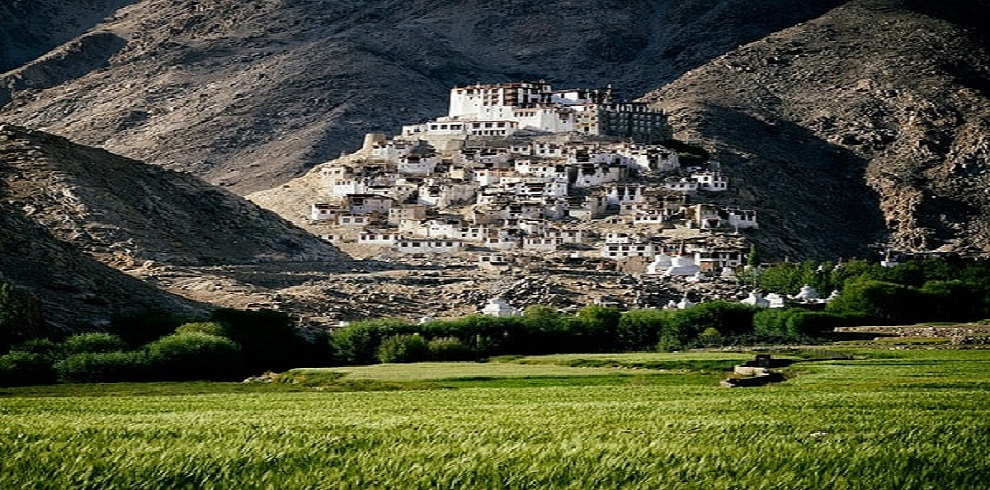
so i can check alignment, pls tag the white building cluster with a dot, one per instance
(522, 167)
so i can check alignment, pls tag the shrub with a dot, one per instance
(730, 319)
(267, 338)
(44, 347)
(880, 302)
(140, 327)
(710, 337)
(92, 342)
(210, 328)
(404, 348)
(194, 355)
(358, 342)
(21, 316)
(450, 349)
(102, 367)
(20, 368)
(640, 329)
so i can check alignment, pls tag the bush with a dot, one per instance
(404, 348)
(91, 343)
(358, 342)
(102, 367)
(140, 327)
(21, 316)
(267, 338)
(450, 349)
(210, 328)
(44, 347)
(640, 329)
(194, 355)
(26, 368)
(730, 319)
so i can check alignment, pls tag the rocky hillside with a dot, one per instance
(872, 117)
(73, 217)
(76, 290)
(125, 212)
(250, 94)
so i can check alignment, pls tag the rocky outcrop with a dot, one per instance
(868, 124)
(125, 212)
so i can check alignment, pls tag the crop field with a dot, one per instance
(890, 419)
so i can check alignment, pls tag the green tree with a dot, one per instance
(102, 367)
(210, 328)
(20, 368)
(92, 342)
(728, 318)
(137, 328)
(268, 339)
(194, 356)
(599, 328)
(404, 349)
(642, 329)
(21, 316)
(358, 342)
(880, 302)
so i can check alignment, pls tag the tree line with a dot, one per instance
(232, 344)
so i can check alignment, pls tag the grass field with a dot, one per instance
(896, 419)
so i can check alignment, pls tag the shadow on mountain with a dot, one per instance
(30, 29)
(973, 13)
(810, 195)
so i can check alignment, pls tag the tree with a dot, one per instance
(268, 339)
(194, 355)
(642, 329)
(21, 316)
(358, 342)
(92, 342)
(137, 328)
(599, 327)
(880, 302)
(404, 349)
(727, 318)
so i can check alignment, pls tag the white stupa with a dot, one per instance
(775, 300)
(661, 262)
(756, 298)
(807, 294)
(682, 266)
(498, 307)
(684, 303)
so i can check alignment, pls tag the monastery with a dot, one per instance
(521, 169)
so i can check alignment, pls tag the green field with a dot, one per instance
(891, 419)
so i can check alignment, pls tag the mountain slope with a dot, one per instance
(249, 94)
(76, 290)
(876, 92)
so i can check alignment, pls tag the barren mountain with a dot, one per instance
(872, 117)
(71, 213)
(250, 94)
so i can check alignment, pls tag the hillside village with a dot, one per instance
(521, 173)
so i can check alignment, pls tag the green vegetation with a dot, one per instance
(917, 291)
(232, 345)
(899, 419)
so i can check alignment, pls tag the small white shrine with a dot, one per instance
(499, 308)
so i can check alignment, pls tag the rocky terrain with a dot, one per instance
(845, 124)
(872, 117)
(73, 214)
(249, 94)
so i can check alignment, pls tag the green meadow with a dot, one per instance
(884, 419)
